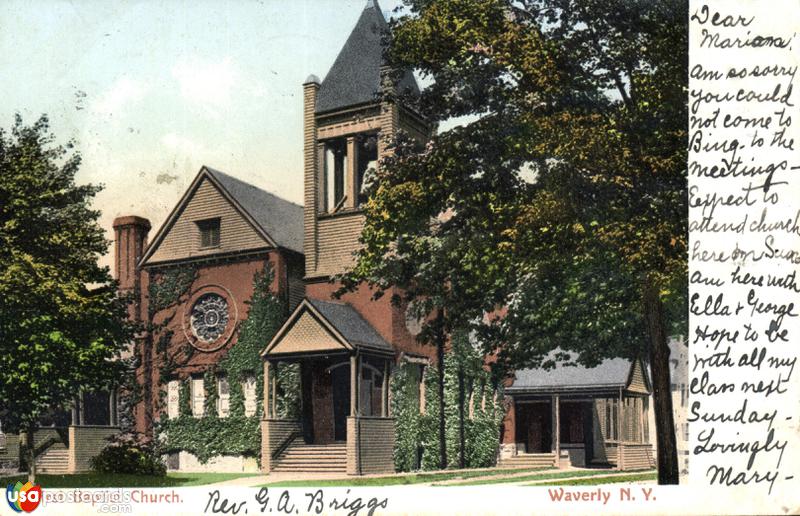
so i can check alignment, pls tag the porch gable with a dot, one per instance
(325, 326)
(306, 331)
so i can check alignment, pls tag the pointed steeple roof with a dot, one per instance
(355, 76)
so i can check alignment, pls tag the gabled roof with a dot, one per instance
(317, 326)
(282, 220)
(278, 221)
(609, 374)
(355, 77)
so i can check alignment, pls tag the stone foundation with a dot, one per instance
(189, 463)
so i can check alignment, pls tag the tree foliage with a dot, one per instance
(561, 197)
(62, 324)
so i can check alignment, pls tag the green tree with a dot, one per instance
(562, 198)
(62, 324)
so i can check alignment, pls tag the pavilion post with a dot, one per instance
(385, 390)
(275, 392)
(267, 388)
(354, 363)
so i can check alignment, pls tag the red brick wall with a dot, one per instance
(508, 429)
(237, 278)
(130, 240)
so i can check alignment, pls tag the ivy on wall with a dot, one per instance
(165, 292)
(209, 435)
(236, 434)
(417, 442)
(167, 288)
(405, 410)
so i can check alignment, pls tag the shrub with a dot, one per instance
(134, 459)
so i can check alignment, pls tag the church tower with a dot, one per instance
(348, 347)
(347, 125)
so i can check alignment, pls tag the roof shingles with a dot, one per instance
(610, 373)
(355, 77)
(280, 219)
(350, 324)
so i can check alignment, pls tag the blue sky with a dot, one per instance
(152, 90)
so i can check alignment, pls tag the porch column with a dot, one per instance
(74, 421)
(81, 412)
(556, 426)
(620, 436)
(637, 404)
(112, 407)
(385, 390)
(354, 363)
(275, 392)
(267, 386)
(352, 180)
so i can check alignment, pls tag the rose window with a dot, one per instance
(209, 317)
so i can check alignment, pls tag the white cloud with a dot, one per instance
(206, 83)
(182, 145)
(123, 92)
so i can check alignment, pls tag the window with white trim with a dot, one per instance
(198, 396)
(173, 399)
(223, 396)
(249, 390)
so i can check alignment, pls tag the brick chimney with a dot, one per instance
(130, 240)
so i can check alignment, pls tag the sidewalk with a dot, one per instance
(524, 472)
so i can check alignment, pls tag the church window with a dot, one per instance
(173, 397)
(249, 389)
(198, 396)
(223, 396)
(209, 232)
(209, 317)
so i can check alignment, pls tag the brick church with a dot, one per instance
(224, 230)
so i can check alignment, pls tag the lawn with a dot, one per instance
(90, 480)
(639, 477)
(398, 480)
(540, 476)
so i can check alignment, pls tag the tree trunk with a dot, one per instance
(30, 450)
(662, 395)
(461, 440)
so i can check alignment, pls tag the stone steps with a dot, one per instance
(529, 460)
(54, 460)
(317, 458)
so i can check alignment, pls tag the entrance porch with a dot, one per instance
(344, 423)
(579, 416)
(555, 427)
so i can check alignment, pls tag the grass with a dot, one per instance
(398, 480)
(540, 476)
(601, 480)
(91, 480)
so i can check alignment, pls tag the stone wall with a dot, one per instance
(189, 463)
(86, 442)
(9, 455)
(370, 445)
(635, 456)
